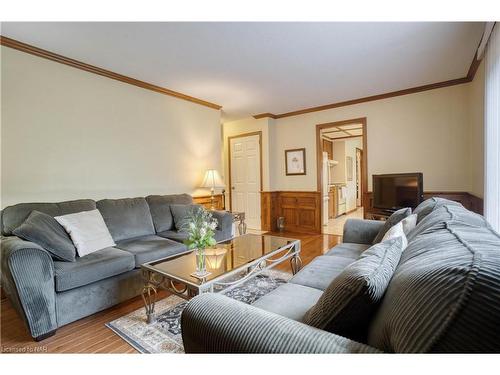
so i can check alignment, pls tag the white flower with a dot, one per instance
(213, 225)
(203, 231)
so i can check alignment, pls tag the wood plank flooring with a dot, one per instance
(90, 335)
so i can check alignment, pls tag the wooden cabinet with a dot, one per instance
(301, 211)
(332, 203)
(328, 148)
(205, 201)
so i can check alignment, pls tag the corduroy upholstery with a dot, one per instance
(48, 294)
(13, 216)
(28, 276)
(392, 220)
(444, 296)
(361, 231)
(126, 218)
(349, 302)
(159, 206)
(213, 323)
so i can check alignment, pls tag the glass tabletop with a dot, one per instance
(225, 257)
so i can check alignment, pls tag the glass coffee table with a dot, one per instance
(230, 263)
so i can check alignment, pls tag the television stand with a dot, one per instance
(378, 214)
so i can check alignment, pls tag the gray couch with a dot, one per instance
(443, 297)
(48, 293)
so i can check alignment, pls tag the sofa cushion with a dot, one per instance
(395, 218)
(159, 206)
(429, 205)
(348, 250)
(289, 300)
(347, 306)
(320, 272)
(174, 235)
(444, 296)
(182, 236)
(181, 213)
(13, 216)
(87, 230)
(91, 268)
(150, 248)
(45, 231)
(127, 217)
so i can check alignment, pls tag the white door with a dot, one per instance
(245, 178)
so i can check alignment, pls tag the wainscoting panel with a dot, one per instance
(300, 209)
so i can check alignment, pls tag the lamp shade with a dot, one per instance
(212, 180)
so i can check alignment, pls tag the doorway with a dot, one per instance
(245, 176)
(341, 172)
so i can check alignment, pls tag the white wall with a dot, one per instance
(70, 134)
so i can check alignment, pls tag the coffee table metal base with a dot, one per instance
(153, 280)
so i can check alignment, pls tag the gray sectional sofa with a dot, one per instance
(48, 293)
(444, 296)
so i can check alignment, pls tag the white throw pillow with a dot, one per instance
(87, 230)
(396, 231)
(409, 223)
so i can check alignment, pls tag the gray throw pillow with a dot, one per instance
(181, 213)
(45, 231)
(347, 306)
(395, 218)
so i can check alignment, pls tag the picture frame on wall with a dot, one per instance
(295, 162)
(348, 161)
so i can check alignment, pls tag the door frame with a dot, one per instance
(360, 178)
(259, 133)
(364, 164)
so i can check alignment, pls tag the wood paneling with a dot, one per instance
(20, 46)
(469, 201)
(328, 148)
(268, 208)
(90, 335)
(301, 210)
(206, 201)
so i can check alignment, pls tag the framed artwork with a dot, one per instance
(295, 162)
(348, 162)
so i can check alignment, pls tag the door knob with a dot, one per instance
(232, 187)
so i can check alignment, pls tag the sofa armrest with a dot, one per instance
(214, 323)
(225, 222)
(28, 278)
(361, 231)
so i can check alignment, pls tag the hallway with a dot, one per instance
(336, 226)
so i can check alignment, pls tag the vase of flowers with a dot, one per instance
(200, 226)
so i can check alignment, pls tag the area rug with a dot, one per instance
(164, 336)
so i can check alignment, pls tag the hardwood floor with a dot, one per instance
(90, 335)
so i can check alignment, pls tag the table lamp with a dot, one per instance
(212, 180)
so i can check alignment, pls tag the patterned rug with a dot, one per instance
(164, 336)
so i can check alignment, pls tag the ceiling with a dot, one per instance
(342, 131)
(252, 68)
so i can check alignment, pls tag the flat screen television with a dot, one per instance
(394, 191)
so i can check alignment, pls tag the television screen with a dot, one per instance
(393, 191)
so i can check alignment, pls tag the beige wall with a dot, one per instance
(71, 134)
(425, 132)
